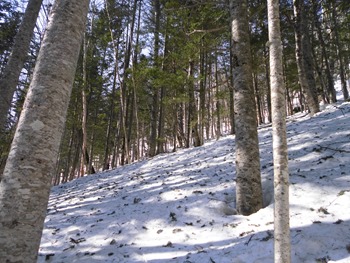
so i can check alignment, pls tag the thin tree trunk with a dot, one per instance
(331, 93)
(192, 121)
(268, 86)
(202, 83)
(303, 63)
(280, 150)
(84, 157)
(106, 158)
(248, 179)
(135, 65)
(258, 99)
(339, 53)
(25, 186)
(161, 142)
(127, 93)
(75, 169)
(155, 97)
(107, 162)
(218, 106)
(10, 76)
(232, 105)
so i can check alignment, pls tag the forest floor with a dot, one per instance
(177, 207)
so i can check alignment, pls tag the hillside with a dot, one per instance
(178, 207)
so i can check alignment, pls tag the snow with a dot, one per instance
(179, 207)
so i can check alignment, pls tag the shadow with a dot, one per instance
(161, 210)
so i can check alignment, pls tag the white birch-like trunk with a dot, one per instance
(26, 182)
(248, 180)
(280, 149)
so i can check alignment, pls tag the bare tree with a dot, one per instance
(248, 179)
(26, 182)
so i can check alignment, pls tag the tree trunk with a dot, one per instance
(161, 142)
(217, 103)
(331, 93)
(135, 66)
(126, 91)
(248, 179)
(107, 158)
(84, 157)
(339, 53)
(303, 58)
(9, 78)
(155, 97)
(192, 121)
(280, 152)
(25, 186)
(258, 99)
(268, 86)
(202, 83)
(231, 81)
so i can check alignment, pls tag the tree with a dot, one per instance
(155, 95)
(303, 57)
(25, 185)
(248, 179)
(10, 20)
(339, 51)
(331, 92)
(280, 155)
(9, 78)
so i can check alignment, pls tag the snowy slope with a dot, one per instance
(178, 207)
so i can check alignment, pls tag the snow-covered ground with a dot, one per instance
(177, 207)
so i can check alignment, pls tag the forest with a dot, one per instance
(154, 76)
(89, 86)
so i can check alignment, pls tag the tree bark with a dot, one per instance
(280, 152)
(303, 60)
(217, 103)
(155, 95)
(192, 121)
(85, 156)
(339, 53)
(9, 78)
(330, 81)
(248, 179)
(25, 186)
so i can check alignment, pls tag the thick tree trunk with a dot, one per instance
(9, 78)
(25, 186)
(280, 152)
(248, 179)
